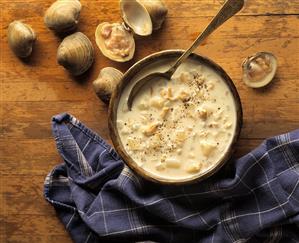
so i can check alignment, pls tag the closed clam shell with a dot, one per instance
(76, 53)
(136, 16)
(111, 39)
(21, 38)
(157, 11)
(106, 83)
(63, 15)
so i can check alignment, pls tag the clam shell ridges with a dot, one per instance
(63, 15)
(21, 38)
(76, 53)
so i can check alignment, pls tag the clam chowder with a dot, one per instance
(179, 128)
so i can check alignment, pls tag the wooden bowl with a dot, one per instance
(114, 102)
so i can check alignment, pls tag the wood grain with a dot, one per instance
(32, 91)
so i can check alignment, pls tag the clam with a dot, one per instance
(76, 53)
(136, 17)
(62, 15)
(106, 82)
(259, 69)
(157, 10)
(21, 38)
(116, 40)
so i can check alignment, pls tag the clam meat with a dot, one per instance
(259, 69)
(115, 41)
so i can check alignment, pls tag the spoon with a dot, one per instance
(229, 9)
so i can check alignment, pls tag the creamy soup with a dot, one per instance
(179, 128)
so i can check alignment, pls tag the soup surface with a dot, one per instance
(180, 128)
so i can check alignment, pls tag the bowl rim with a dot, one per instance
(112, 117)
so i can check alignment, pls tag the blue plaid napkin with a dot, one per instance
(99, 199)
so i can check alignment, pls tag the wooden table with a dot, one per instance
(33, 91)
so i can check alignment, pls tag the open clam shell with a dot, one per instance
(259, 69)
(136, 16)
(76, 53)
(115, 41)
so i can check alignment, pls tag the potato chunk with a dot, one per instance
(151, 129)
(157, 102)
(164, 112)
(207, 148)
(142, 106)
(193, 167)
(183, 96)
(228, 125)
(210, 85)
(185, 77)
(154, 141)
(133, 144)
(173, 163)
(181, 136)
(160, 166)
(203, 114)
(166, 93)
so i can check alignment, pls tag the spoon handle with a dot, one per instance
(229, 9)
